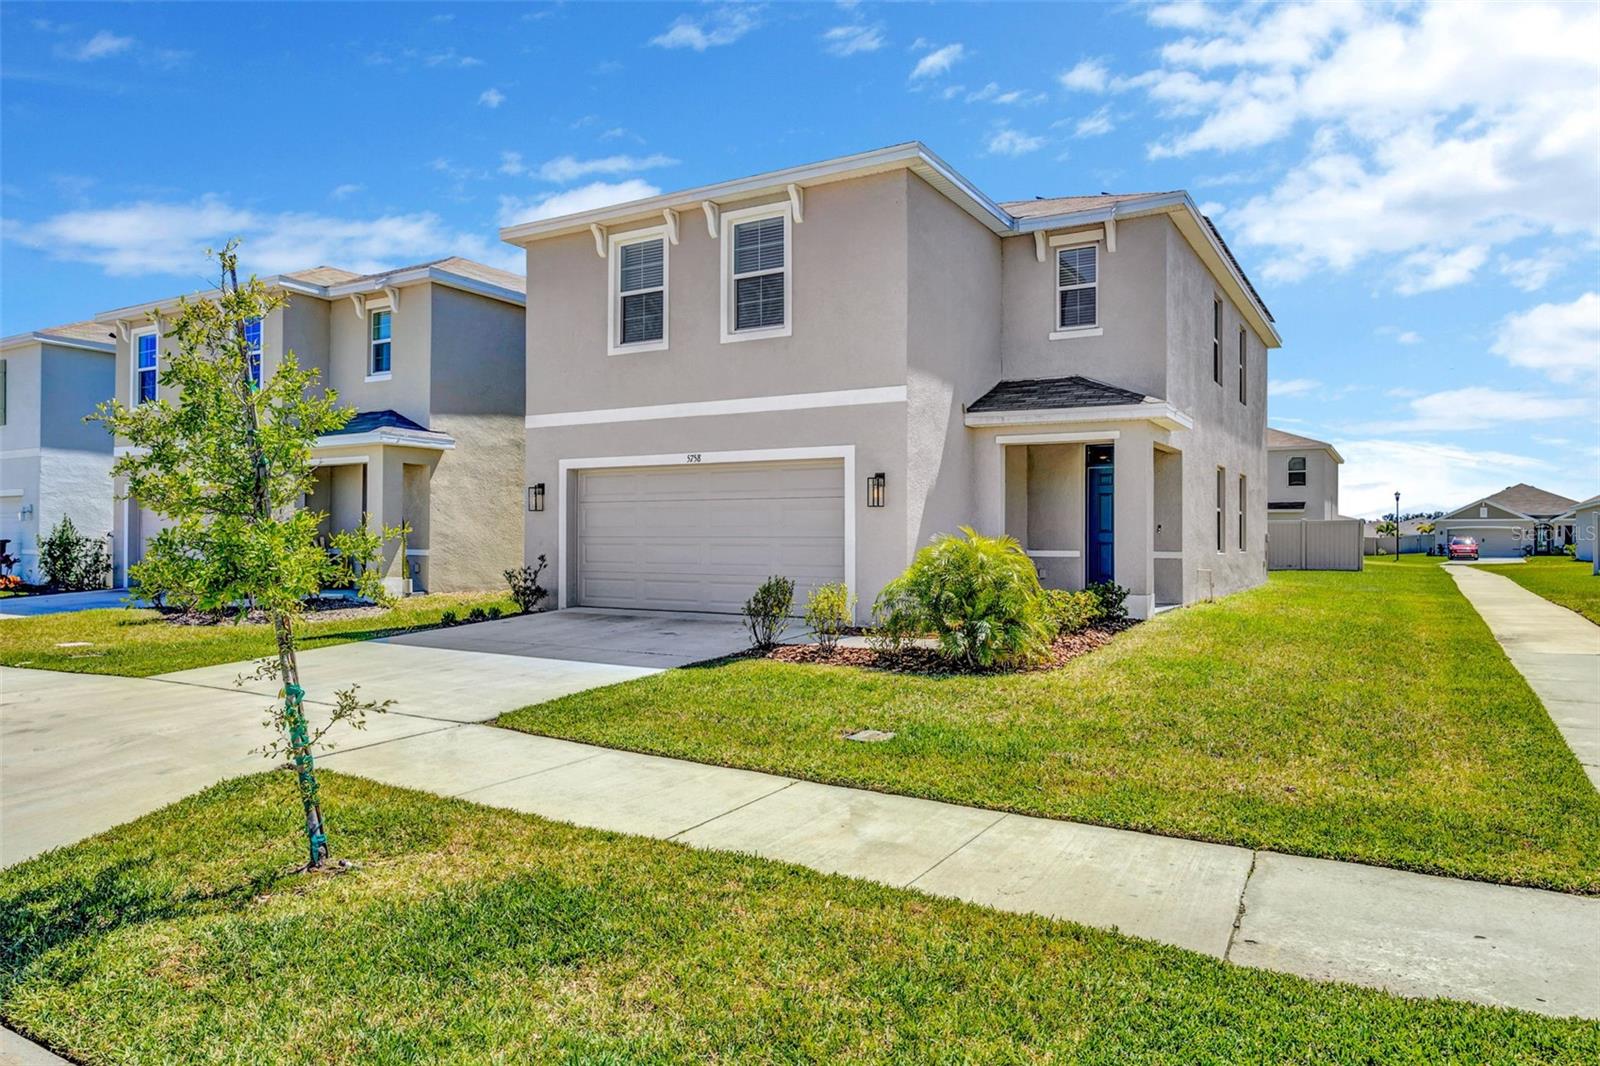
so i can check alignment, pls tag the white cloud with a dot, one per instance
(564, 169)
(1012, 142)
(1429, 475)
(723, 26)
(1534, 272)
(1559, 340)
(340, 192)
(938, 62)
(853, 40)
(151, 237)
(1401, 336)
(451, 58)
(571, 201)
(992, 93)
(1095, 125)
(1089, 76)
(1483, 407)
(491, 98)
(1292, 387)
(101, 45)
(1440, 130)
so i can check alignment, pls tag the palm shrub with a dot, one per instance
(979, 596)
(828, 610)
(766, 612)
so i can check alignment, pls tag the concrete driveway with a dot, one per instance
(61, 603)
(621, 638)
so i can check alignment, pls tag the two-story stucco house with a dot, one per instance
(431, 357)
(813, 371)
(1302, 477)
(53, 465)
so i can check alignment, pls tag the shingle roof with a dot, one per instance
(83, 331)
(1278, 438)
(1065, 205)
(1530, 500)
(323, 275)
(1048, 394)
(369, 421)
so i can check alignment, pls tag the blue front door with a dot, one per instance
(1097, 561)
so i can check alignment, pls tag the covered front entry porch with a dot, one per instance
(1094, 504)
(379, 486)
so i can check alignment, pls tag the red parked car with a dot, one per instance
(1463, 548)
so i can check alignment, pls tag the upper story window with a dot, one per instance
(1216, 340)
(639, 291)
(1244, 494)
(1077, 288)
(756, 273)
(1243, 350)
(380, 325)
(144, 368)
(1297, 470)
(252, 337)
(1222, 505)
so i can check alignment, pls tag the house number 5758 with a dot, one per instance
(692, 457)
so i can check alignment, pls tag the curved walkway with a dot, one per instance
(1557, 650)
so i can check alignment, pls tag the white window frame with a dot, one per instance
(614, 291)
(784, 210)
(260, 352)
(1222, 510)
(1218, 316)
(133, 381)
(374, 309)
(1244, 363)
(1244, 494)
(1305, 469)
(1066, 244)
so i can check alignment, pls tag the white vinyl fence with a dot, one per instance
(1303, 544)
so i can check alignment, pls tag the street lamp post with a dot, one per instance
(1397, 527)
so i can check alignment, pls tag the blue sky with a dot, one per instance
(1415, 189)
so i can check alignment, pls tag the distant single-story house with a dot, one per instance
(1518, 520)
(1412, 539)
(1585, 519)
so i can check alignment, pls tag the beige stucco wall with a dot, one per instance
(1320, 493)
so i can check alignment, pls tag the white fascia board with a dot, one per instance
(22, 340)
(1161, 413)
(405, 438)
(450, 279)
(910, 155)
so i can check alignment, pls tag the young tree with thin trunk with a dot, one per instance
(224, 456)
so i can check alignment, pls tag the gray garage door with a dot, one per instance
(701, 538)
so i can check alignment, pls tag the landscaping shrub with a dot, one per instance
(828, 610)
(766, 612)
(493, 612)
(72, 562)
(1113, 601)
(477, 614)
(448, 618)
(1073, 612)
(980, 596)
(525, 587)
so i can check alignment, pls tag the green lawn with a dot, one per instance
(472, 935)
(138, 643)
(1367, 716)
(1572, 584)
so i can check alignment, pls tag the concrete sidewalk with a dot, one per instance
(1557, 650)
(83, 753)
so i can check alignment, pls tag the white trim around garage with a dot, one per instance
(1160, 412)
(844, 452)
(798, 401)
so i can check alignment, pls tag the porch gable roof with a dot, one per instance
(1048, 394)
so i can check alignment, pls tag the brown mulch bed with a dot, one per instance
(329, 609)
(1067, 647)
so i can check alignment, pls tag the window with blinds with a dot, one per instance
(144, 368)
(642, 291)
(1077, 288)
(760, 260)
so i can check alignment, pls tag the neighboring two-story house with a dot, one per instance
(52, 464)
(431, 357)
(1302, 477)
(813, 371)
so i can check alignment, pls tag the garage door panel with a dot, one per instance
(703, 538)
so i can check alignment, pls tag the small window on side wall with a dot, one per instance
(144, 368)
(1297, 470)
(381, 325)
(252, 337)
(1077, 288)
(1244, 350)
(757, 283)
(1216, 340)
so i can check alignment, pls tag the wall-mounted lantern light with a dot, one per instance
(536, 497)
(875, 486)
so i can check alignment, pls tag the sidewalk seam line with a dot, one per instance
(787, 784)
(1003, 816)
(1238, 915)
(331, 752)
(531, 773)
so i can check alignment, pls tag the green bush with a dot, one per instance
(1073, 612)
(525, 587)
(766, 612)
(493, 612)
(72, 562)
(1570, 551)
(1113, 600)
(828, 611)
(448, 618)
(979, 596)
(477, 614)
